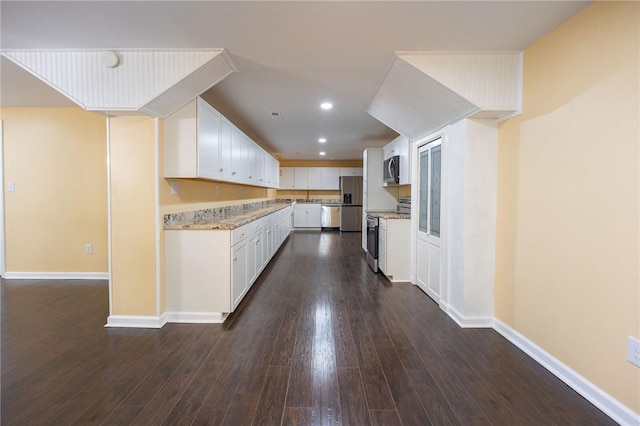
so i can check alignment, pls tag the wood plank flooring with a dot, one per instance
(319, 340)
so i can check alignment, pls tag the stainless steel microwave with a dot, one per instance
(391, 171)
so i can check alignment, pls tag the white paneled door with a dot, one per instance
(429, 197)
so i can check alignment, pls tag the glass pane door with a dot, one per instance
(424, 191)
(435, 191)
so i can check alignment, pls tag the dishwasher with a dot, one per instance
(330, 216)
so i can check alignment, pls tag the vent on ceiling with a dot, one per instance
(275, 115)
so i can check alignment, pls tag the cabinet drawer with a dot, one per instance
(240, 234)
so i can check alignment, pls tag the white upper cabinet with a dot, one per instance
(400, 147)
(287, 178)
(301, 178)
(201, 143)
(350, 171)
(330, 178)
(208, 141)
(314, 178)
(226, 149)
(238, 155)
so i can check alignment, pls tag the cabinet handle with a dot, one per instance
(250, 177)
(221, 170)
(242, 234)
(233, 173)
(235, 259)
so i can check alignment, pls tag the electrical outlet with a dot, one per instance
(88, 249)
(175, 187)
(633, 351)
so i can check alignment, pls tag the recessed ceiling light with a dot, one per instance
(326, 105)
(323, 153)
(322, 140)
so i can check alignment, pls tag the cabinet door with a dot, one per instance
(237, 155)
(180, 140)
(208, 140)
(251, 161)
(301, 179)
(331, 178)
(274, 176)
(402, 149)
(224, 163)
(252, 251)
(382, 249)
(314, 215)
(268, 243)
(257, 261)
(389, 150)
(346, 171)
(287, 178)
(300, 216)
(239, 273)
(314, 177)
(259, 159)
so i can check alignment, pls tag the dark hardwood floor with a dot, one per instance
(319, 340)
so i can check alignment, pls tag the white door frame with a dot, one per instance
(2, 237)
(442, 134)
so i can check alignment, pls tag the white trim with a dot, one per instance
(465, 321)
(195, 317)
(605, 402)
(57, 275)
(159, 219)
(109, 226)
(2, 235)
(134, 321)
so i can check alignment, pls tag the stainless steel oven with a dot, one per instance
(372, 242)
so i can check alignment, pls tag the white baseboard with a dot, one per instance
(56, 275)
(195, 317)
(134, 321)
(605, 402)
(466, 321)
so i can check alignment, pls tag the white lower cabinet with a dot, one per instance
(208, 272)
(239, 261)
(307, 216)
(393, 248)
(382, 245)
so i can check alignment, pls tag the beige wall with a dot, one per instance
(133, 217)
(195, 194)
(57, 159)
(568, 252)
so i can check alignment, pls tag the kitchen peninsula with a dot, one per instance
(213, 256)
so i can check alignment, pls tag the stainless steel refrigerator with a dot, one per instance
(351, 207)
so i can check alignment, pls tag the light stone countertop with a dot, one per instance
(222, 218)
(388, 214)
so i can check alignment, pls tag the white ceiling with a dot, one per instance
(291, 56)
